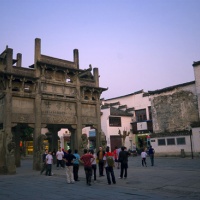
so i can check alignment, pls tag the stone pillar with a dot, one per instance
(73, 139)
(3, 166)
(37, 55)
(10, 167)
(9, 59)
(98, 125)
(78, 127)
(96, 76)
(19, 60)
(54, 141)
(16, 136)
(37, 140)
(76, 58)
(54, 138)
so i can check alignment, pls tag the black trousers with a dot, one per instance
(152, 159)
(101, 167)
(48, 169)
(75, 171)
(59, 162)
(88, 173)
(110, 174)
(144, 162)
(123, 171)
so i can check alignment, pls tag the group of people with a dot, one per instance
(146, 153)
(64, 159)
(106, 161)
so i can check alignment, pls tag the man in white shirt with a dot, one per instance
(49, 161)
(59, 156)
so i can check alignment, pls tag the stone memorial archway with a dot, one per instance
(52, 93)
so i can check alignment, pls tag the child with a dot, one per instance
(143, 156)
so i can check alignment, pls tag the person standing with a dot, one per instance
(59, 156)
(151, 155)
(143, 156)
(49, 162)
(123, 159)
(100, 155)
(94, 164)
(68, 158)
(76, 165)
(109, 163)
(44, 161)
(87, 160)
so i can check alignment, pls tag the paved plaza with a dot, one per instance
(170, 178)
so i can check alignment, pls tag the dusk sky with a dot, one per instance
(136, 44)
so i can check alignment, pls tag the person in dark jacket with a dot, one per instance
(69, 158)
(123, 159)
(151, 155)
(100, 155)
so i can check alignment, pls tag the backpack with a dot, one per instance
(110, 161)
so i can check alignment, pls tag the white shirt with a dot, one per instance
(143, 154)
(49, 159)
(118, 151)
(59, 155)
(94, 161)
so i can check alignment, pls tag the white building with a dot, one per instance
(130, 113)
(167, 119)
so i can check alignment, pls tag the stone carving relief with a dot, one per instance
(23, 118)
(58, 119)
(58, 108)
(11, 147)
(89, 120)
(88, 111)
(84, 142)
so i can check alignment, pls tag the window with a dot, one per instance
(115, 121)
(170, 141)
(141, 115)
(150, 113)
(180, 141)
(161, 142)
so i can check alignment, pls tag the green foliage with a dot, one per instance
(27, 134)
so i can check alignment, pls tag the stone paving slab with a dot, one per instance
(170, 178)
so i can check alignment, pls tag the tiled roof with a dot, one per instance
(170, 88)
(138, 92)
(118, 112)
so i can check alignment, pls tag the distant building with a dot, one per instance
(130, 113)
(175, 114)
(167, 119)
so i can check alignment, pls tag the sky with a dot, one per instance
(135, 44)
